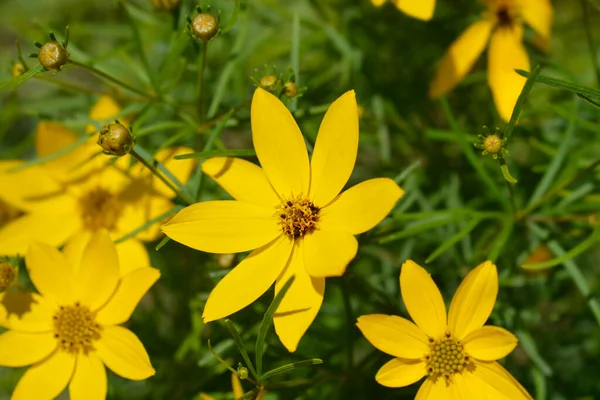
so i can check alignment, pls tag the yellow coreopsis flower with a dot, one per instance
(81, 192)
(290, 212)
(421, 9)
(70, 331)
(502, 26)
(238, 390)
(456, 352)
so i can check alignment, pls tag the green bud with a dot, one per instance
(204, 26)
(53, 56)
(116, 140)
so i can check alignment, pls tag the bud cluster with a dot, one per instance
(279, 84)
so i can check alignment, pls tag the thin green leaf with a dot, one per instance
(565, 85)
(148, 224)
(507, 228)
(295, 56)
(218, 357)
(454, 239)
(506, 174)
(240, 345)
(217, 153)
(539, 382)
(233, 18)
(417, 228)
(150, 159)
(52, 156)
(520, 101)
(13, 83)
(290, 367)
(267, 322)
(164, 241)
(528, 344)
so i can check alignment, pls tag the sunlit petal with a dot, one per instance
(434, 390)
(18, 349)
(474, 300)
(490, 343)
(123, 353)
(89, 379)
(140, 211)
(421, 9)
(279, 145)
(328, 252)
(248, 280)
(361, 207)
(46, 379)
(335, 150)
(50, 272)
(104, 111)
(132, 255)
(499, 381)
(236, 384)
(394, 335)
(538, 14)
(423, 299)
(400, 372)
(224, 226)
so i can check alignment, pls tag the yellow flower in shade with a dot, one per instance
(421, 9)
(238, 390)
(502, 26)
(70, 331)
(456, 352)
(81, 192)
(290, 212)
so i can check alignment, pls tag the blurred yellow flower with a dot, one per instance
(289, 212)
(70, 330)
(502, 25)
(421, 9)
(238, 390)
(456, 352)
(79, 192)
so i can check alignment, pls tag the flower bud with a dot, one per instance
(8, 275)
(243, 372)
(290, 89)
(204, 27)
(165, 5)
(53, 56)
(115, 140)
(492, 144)
(18, 69)
(268, 82)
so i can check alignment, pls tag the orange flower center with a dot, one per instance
(76, 329)
(100, 209)
(297, 217)
(447, 357)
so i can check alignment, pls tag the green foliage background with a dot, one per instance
(389, 59)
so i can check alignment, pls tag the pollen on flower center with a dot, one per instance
(297, 217)
(446, 358)
(75, 328)
(100, 209)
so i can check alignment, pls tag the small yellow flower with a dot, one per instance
(79, 193)
(238, 390)
(502, 25)
(421, 9)
(70, 331)
(290, 212)
(456, 352)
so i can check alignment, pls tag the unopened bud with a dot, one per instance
(290, 89)
(18, 69)
(8, 275)
(165, 5)
(53, 56)
(225, 260)
(204, 27)
(116, 140)
(268, 82)
(492, 144)
(243, 372)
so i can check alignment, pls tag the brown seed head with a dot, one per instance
(53, 56)
(204, 27)
(115, 140)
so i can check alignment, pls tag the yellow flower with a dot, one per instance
(70, 330)
(456, 352)
(289, 212)
(421, 9)
(502, 25)
(238, 390)
(81, 192)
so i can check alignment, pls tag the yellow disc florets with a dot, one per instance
(447, 357)
(76, 329)
(8, 275)
(297, 217)
(100, 209)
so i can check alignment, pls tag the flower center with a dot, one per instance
(506, 13)
(446, 358)
(100, 209)
(75, 328)
(297, 217)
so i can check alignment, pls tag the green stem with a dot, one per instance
(69, 86)
(160, 176)
(590, 39)
(349, 321)
(201, 82)
(104, 75)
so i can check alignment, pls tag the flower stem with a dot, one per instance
(201, 112)
(590, 39)
(160, 176)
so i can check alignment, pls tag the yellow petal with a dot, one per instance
(238, 390)
(434, 390)
(74, 248)
(538, 14)
(465, 386)
(123, 353)
(139, 211)
(18, 349)
(300, 304)
(423, 299)
(460, 58)
(248, 280)
(506, 53)
(421, 9)
(378, 3)
(474, 300)
(394, 335)
(279, 145)
(103, 111)
(54, 230)
(328, 252)
(400, 372)
(132, 255)
(499, 383)
(132, 287)
(99, 271)
(335, 150)
(224, 226)
(50, 272)
(89, 379)
(46, 379)
(361, 207)
(490, 343)
(204, 396)
(243, 180)
(25, 312)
